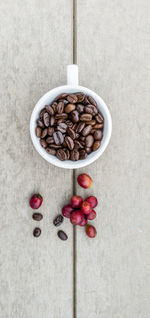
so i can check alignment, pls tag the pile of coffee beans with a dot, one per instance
(71, 127)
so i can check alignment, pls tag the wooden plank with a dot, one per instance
(36, 274)
(113, 57)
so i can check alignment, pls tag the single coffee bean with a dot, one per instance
(58, 220)
(61, 116)
(49, 109)
(50, 131)
(93, 131)
(62, 127)
(51, 151)
(78, 144)
(43, 110)
(69, 123)
(80, 96)
(83, 154)
(89, 141)
(62, 235)
(98, 135)
(85, 117)
(46, 119)
(80, 127)
(37, 216)
(91, 109)
(59, 121)
(96, 145)
(74, 155)
(86, 131)
(43, 143)
(40, 123)
(74, 127)
(99, 118)
(38, 132)
(71, 133)
(37, 232)
(64, 144)
(92, 122)
(67, 153)
(69, 142)
(54, 146)
(75, 116)
(72, 98)
(88, 150)
(91, 101)
(80, 108)
(50, 140)
(44, 133)
(52, 121)
(69, 108)
(54, 106)
(58, 137)
(60, 107)
(62, 96)
(98, 126)
(61, 154)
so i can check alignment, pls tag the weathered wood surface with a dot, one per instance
(35, 274)
(113, 57)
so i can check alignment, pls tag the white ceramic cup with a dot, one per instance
(71, 87)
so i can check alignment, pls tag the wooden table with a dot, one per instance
(113, 52)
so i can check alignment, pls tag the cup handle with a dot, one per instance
(72, 75)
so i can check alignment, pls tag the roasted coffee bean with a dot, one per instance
(62, 96)
(78, 144)
(52, 121)
(89, 141)
(74, 155)
(80, 127)
(62, 235)
(37, 216)
(46, 119)
(50, 140)
(85, 117)
(44, 133)
(74, 127)
(69, 108)
(58, 220)
(83, 154)
(43, 110)
(55, 146)
(99, 118)
(54, 106)
(69, 142)
(92, 122)
(60, 107)
(69, 123)
(98, 135)
(38, 132)
(91, 109)
(37, 232)
(40, 123)
(51, 151)
(71, 133)
(75, 116)
(86, 131)
(61, 116)
(65, 101)
(58, 137)
(72, 98)
(96, 145)
(82, 138)
(93, 130)
(80, 96)
(64, 144)
(61, 154)
(50, 131)
(49, 109)
(62, 127)
(98, 126)
(91, 101)
(80, 108)
(67, 153)
(43, 143)
(88, 150)
(59, 121)
(77, 136)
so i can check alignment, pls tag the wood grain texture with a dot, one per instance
(35, 274)
(113, 57)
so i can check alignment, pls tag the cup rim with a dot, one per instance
(68, 164)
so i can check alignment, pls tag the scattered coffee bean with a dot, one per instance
(58, 220)
(37, 232)
(62, 235)
(37, 216)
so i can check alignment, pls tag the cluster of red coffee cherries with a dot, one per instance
(80, 211)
